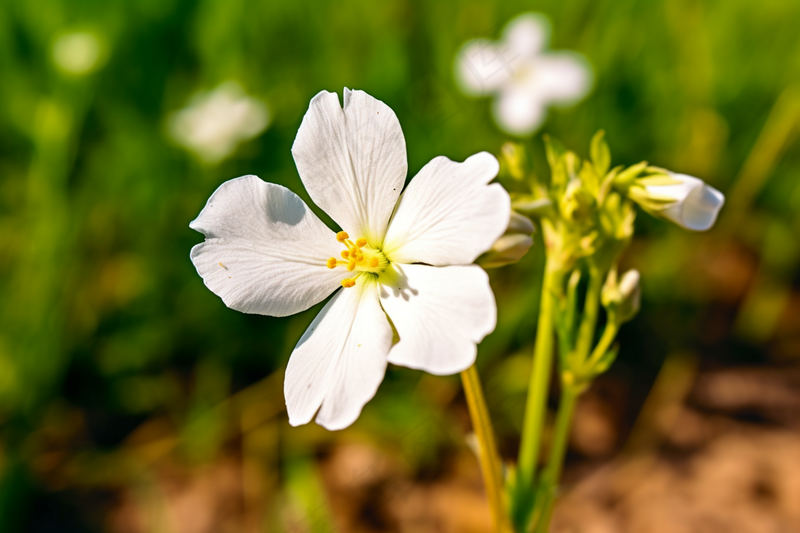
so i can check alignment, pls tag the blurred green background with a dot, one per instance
(132, 399)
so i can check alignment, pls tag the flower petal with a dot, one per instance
(562, 78)
(440, 314)
(696, 204)
(448, 214)
(527, 34)
(340, 359)
(483, 66)
(265, 251)
(519, 110)
(352, 161)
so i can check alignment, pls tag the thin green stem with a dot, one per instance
(590, 309)
(569, 395)
(552, 473)
(536, 405)
(487, 454)
(609, 333)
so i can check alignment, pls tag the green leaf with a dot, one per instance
(601, 155)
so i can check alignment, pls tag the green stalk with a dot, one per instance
(555, 463)
(536, 405)
(589, 320)
(609, 334)
(569, 395)
(487, 454)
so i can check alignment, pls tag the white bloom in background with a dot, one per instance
(77, 52)
(523, 76)
(685, 200)
(214, 123)
(407, 291)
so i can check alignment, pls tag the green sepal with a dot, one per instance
(657, 180)
(556, 153)
(532, 206)
(625, 178)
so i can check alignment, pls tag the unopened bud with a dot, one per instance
(512, 245)
(685, 200)
(622, 298)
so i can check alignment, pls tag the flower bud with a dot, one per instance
(685, 200)
(577, 203)
(514, 159)
(512, 245)
(622, 298)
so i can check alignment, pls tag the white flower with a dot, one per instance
(687, 201)
(525, 78)
(214, 123)
(410, 297)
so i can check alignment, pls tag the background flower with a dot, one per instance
(522, 75)
(214, 123)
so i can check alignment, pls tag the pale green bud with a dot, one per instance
(577, 202)
(622, 298)
(512, 245)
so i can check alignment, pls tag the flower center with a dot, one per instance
(358, 258)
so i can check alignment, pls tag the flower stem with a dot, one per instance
(590, 309)
(552, 473)
(536, 405)
(599, 351)
(489, 458)
(548, 485)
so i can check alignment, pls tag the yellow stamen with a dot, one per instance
(348, 282)
(359, 256)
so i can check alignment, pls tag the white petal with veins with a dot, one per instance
(448, 215)
(340, 360)
(265, 251)
(440, 314)
(352, 161)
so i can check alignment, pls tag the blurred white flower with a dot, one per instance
(525, 78)
(685, 200)
(214, 123)
(406, 291)
(77, 52)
